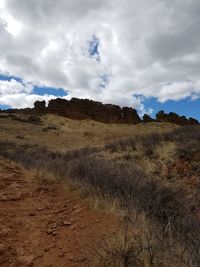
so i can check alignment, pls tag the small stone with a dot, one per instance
(67, 223)
(32, 214)
(49, 231)
(3, 198)
(26, 260)
(40, 208)
(61, 254)
(81, 259)
(55, 233)
(2, 248)
(82, 226)
(79, 210)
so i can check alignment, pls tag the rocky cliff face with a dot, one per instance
(87, 109)
(40, 106)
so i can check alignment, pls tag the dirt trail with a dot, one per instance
(44, 225)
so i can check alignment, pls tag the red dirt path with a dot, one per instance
(44, 225)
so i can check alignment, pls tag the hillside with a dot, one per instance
(141, 178)
(58, 132)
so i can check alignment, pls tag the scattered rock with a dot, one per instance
(3, 230)
(80, 259)
(71, 258)
(49, 231)
(61, 254)
(82, 226)
(15, 186)
(26, 260)
(3, 197)
(79, 210)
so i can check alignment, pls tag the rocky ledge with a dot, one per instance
(87, 109)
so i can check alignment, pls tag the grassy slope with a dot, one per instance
(155, 159)
(72, 134)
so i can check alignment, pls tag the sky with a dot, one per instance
(143, 54)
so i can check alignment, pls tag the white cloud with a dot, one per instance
(147, 47)
(22, 100)
(13, 87)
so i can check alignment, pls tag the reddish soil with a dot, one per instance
(44, 225)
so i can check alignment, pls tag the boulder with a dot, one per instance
(40, 106)
(147, 118)
(129, 115)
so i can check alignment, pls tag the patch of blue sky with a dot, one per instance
(4, 77)
(5, 107)
(93, 48)
(39, 90)
(104, 80)
(59, 92)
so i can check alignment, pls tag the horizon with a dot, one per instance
(153, 116)
(141, 55)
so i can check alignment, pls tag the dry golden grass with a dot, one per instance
(131, 172)
(72, 134)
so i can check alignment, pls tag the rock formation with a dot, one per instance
(87, 109)
(130, 115)
(193, 121)
(175, 118)
(147, 118)
(40, 106)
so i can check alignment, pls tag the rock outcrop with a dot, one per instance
(147, 118)
(40, 106)
(175, 118)
(129, 115)
(87, 109)
(193, 121)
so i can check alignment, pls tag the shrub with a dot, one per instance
(50, 128)
(26, 119)
(141, 246)
(19, 137)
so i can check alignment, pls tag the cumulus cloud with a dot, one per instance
(15, 94)
(22, 100)
(148, 47)
(13, 87)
